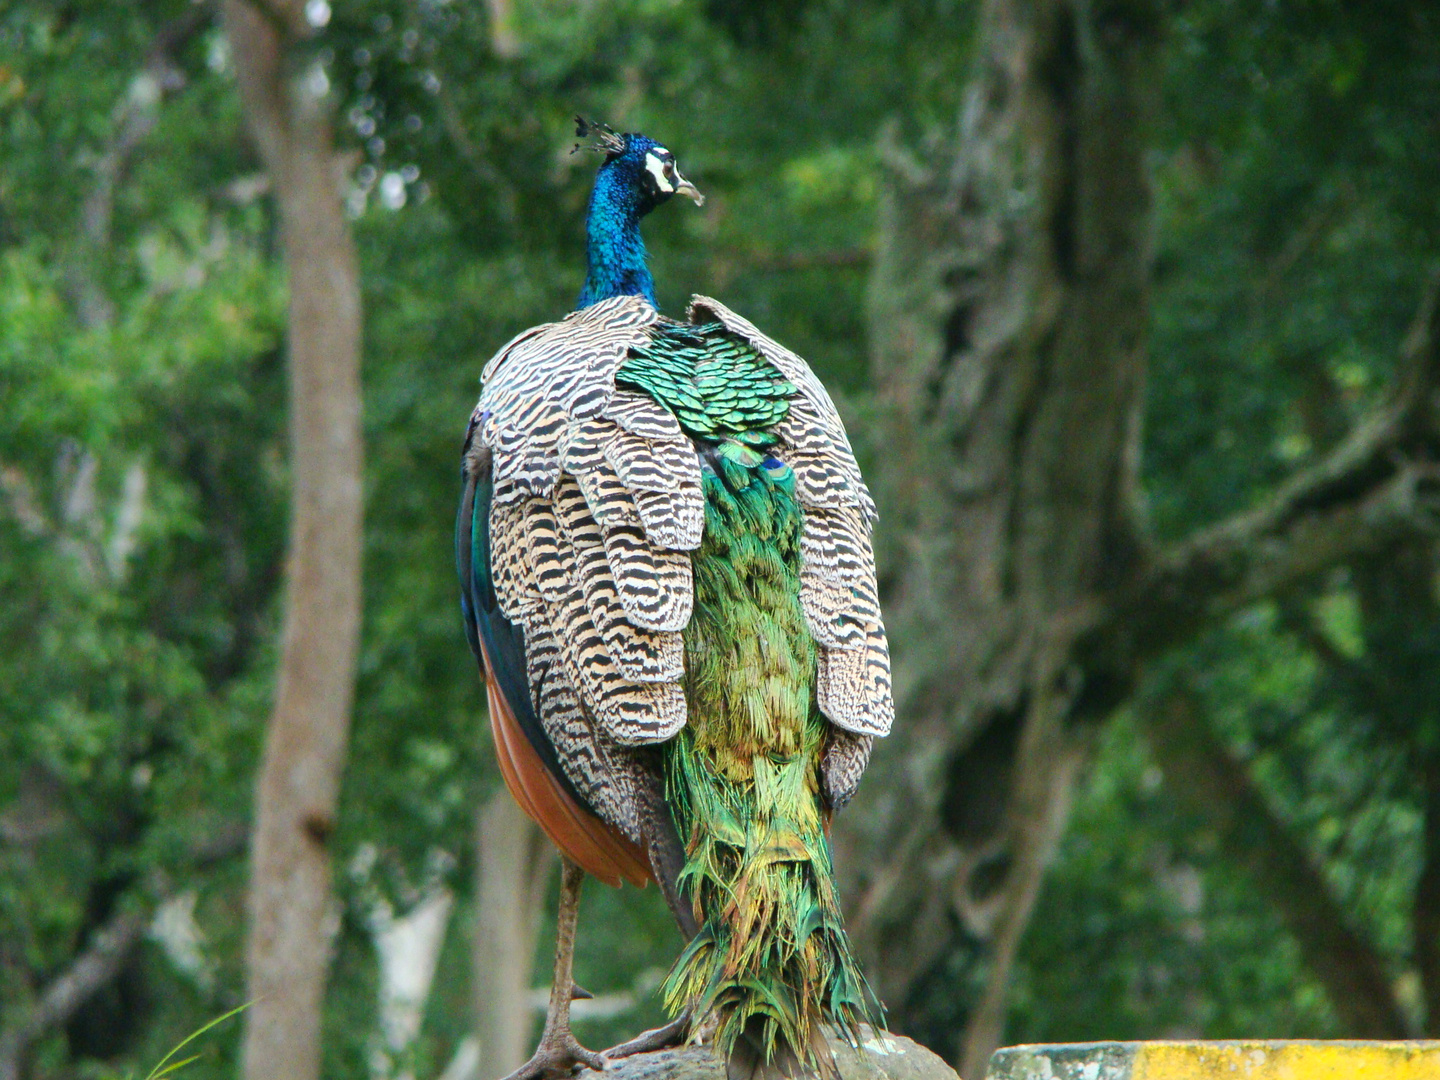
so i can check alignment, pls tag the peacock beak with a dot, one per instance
(684, 187)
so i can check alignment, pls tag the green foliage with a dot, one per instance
(169, 1065)
(1146, 931)
(1292, 239)
(1292, 247)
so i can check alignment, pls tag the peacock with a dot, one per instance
(664, 548)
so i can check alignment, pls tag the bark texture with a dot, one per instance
(1009, 313)
(288, 110)
(1397, 682)
(513, 872)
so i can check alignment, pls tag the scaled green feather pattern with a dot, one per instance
(717, 385)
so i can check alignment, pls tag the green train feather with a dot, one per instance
(771, 961)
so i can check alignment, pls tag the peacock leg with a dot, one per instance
(558, 1052)
(661, 1038)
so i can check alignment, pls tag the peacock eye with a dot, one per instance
(669, 168)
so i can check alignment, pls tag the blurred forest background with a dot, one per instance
(1128, 306)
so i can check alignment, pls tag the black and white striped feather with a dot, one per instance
(597, 505)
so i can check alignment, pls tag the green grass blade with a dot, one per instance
(174, 1066)
(160, 1070)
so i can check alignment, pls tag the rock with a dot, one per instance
(1248, 1060)
(881, 1056)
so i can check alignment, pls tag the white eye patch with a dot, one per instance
(656, 167)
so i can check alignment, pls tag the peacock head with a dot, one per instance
(638, 174)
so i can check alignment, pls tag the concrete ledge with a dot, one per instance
(1259, 1060)
(880, 1056)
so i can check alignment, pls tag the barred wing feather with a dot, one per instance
(595, 508)
(610, 491)
(837, 584)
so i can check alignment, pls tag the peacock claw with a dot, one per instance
(557, 1058)
(661, 1038)
(558, 1054)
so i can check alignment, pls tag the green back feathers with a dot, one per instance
(717, 385)
(750, 658)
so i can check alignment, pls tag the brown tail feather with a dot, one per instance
(583, 837)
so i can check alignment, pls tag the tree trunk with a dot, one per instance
(513, 872)
(1009, 312)
(408, 948)
(1207, 778)
(1398, 682)
(287, 108)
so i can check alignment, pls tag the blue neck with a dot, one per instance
(614, 250)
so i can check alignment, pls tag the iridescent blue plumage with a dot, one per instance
(614, 245)
(632, 182)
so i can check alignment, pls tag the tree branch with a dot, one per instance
(110, 947)
(1048, 759)
(1378, 486)
(134, 119)
(831, 259)
(92, 969)
(1202, 773)
(36, 811)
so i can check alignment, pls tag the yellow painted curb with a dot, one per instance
(1287, 1061)
(1241, 1060)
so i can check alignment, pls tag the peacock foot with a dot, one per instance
(661, 1038)
(557, 1056)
